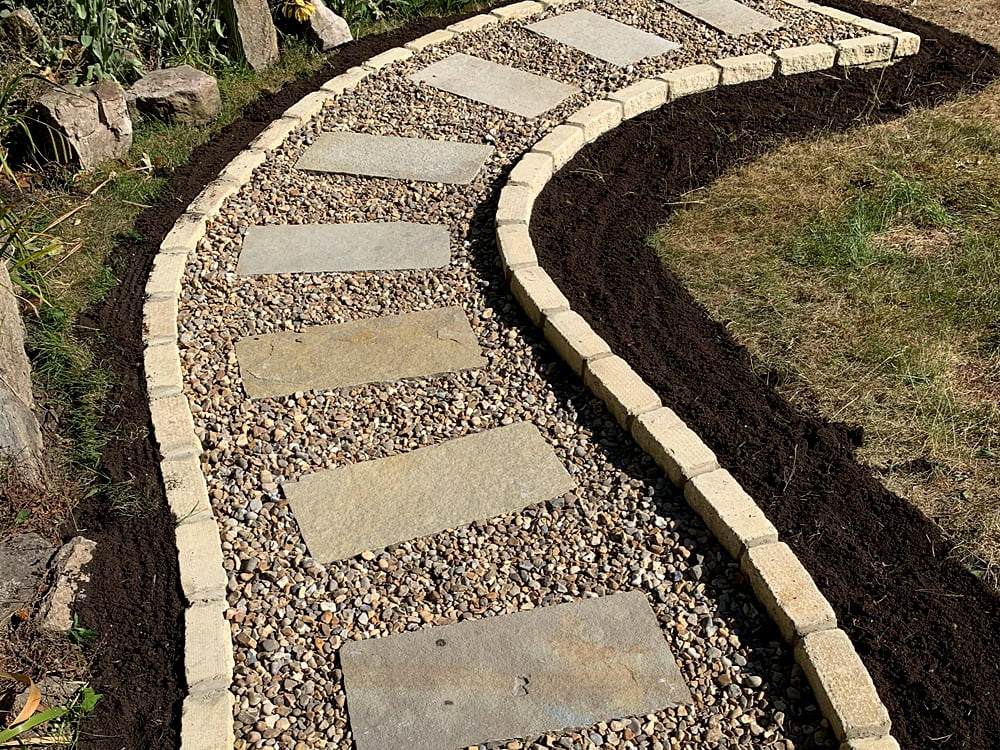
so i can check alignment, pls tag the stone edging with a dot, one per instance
(843, 686)
(779, 580)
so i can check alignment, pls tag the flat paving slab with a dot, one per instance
(372, 504)
(419, 344)
(506, 88)
(417, 159)
(510, 676)
(728, 16)
(602, 37)
(316, 248)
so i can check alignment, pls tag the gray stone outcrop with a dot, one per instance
(182, 94)
(55, 615)
(90, 124)
(326, 29)
(252, 31)
(23, 561)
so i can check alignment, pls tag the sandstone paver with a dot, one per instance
(728, 16)
(603, 37)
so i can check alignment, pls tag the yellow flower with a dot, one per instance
(300, 10)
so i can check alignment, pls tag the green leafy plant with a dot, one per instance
(108, 43)
(79, 634)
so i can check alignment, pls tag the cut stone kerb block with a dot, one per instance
(516, 249)
(807, 59)
(433, 39)
(199, 558)
(673, 446)
(690, 80)
(515, 205)
(621, 389)
(787, 591)
(517, 10)
(602, 37)
(537, 293)
(880, 743)
(173, 426)
(865, 50)
(732, 515)
(640, 97)
(533, 171)
(745, 68)
(844, 689)
(597, 118)
(561, 144)
(208, 648)
(574, 340)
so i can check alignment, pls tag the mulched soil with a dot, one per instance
(134, 602)
(926, 627)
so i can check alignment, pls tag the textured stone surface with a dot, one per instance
(400, 158)
(207, 720)
(252, 31)
(728, 16)
(640, 97)
(509, 676)
(602, 37)
(574, 340)
(805, 59)
(673, 445)
(732, 515)
(865, 50)
(619, 386)
(91, 123)
(506, 88)
(745, 68)
(55, 615)
(880, 743)
(533, 171)
(418, 344)
(690, 80)
(433, 39)
(517, 10)
(561, 144)
(312, 248)
(516, 249)
(327, 30)
(22, 565)
(537, 293)
(597, 118)
(372, 504)
(181, 94)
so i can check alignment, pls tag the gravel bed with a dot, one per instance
(623, 528)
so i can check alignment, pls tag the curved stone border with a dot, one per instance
(843, 686)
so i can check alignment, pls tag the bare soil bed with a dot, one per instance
(924, 625)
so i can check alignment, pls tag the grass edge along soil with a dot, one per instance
(925, 627)
(134, 602)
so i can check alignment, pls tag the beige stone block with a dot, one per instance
(690, 80)
(199, 558)
(473, 24)
(844, 689)
(557, 3)
(574, 340)
(515, 205)
(210, 200)
(390, 56)
(518, 10)
(165, 277)
(159, 320)
(185, 234)
(241, 168)
(434, 39)
(163, 370)
(597, 118)
(673, 445)
(187, 493)
(533, 171)
(875, 27)
(805, 59)
(732, 515)
(537, 293)
(307, 107)
(275, 134)
(561, 144)
(907, 43)
(347, 80)
(626, 394)
(873, 743)
(640, 97)
(208, 647)
(864, 50)
(787, 591)
(745, 68)
(836, 13)
(516, 248)
(173, 426)
(207, 721)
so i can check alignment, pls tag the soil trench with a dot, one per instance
(925, 626)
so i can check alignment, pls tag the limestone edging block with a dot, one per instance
(673, 445)
(805, 59)
(626, 394)
(512, 675)
(731, 514)
(693, 79)
(516, 249)
(341, 355)
(872, 743)
(373, 504)
(574, 340)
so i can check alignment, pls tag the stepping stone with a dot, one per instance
(372, 504)
(602, 37)
(506, 88)
(411, 345)
(728, 16)
(401, 158)
(314, 248)
(510, 676)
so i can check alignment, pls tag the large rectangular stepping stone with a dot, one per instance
(315, 248)
(401, 158)
(370, 505)
(510, 676)
(728, 16)
(499, 86)
(411, 345)
(602, 37)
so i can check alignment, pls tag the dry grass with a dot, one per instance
(863, 272)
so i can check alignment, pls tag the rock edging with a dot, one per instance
(842, 684)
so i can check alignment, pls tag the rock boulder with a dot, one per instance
(88, 123)
(326, 29)
(21, 26)
(252, 31)
(23, 560)
(182, 94)
(55, 615)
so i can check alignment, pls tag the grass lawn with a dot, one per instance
(862, 271)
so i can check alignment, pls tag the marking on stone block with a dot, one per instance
(602, 37)
(372, 504)
(728, 16)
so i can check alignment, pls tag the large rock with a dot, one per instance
(21, 26)
(21, 450)
(91, 121)
(326, 29)
(23, 560)
(252, 31)
(55, 615)
(182, 94)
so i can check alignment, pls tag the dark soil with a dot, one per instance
(926, 627)
(134, 602)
